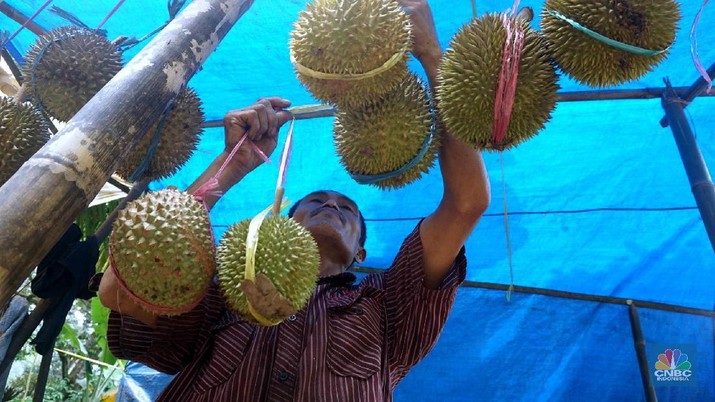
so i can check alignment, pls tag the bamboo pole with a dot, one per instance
(567, 295)
(639, 344)
(564, 96)
(21, 18)
(51, 189)
(696, 168)
(695, 90)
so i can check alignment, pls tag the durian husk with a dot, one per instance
(384, 136)
(162, 249)
(351, 37)
(67, 66)
(179, 137)
(286, 254)
(468, 78)
(649, 25)
(23, 131)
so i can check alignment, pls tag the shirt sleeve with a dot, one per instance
(416, 314)
(171, 345)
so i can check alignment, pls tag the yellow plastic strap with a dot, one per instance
(391, 62)
(251, 245)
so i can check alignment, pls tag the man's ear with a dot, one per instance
(360, 255)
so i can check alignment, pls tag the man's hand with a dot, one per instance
(265, 299)
(261, 121)
(425, 45)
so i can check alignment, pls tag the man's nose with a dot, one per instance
(331, 203)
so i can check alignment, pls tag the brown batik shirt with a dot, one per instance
(350, 343)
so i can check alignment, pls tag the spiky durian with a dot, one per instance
(648, 25)
(351, 37)
(67, 66)
(162, 248)
(286, 254)
(23, 131)
(468, 79)
(385, 136)
(180, 131)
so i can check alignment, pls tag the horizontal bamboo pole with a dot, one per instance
(565, 96)
(50, 190)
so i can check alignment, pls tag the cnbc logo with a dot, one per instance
(673, 366)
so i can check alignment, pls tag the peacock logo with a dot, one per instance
(673, 365)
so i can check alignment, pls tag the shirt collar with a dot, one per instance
(341, 279)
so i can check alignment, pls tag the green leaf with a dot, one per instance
(100, 319)
(68, 334)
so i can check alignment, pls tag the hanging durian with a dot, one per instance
(23, 131)
(385, 136)
(347, 37)
(286, 254)
(468, 79)
(67, 66)
(180, 131)
(162, 249)
(648, 25)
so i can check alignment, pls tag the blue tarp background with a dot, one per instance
(598, 203)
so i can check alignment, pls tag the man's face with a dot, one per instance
(334, 221)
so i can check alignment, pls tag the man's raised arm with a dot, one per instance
(466, 184)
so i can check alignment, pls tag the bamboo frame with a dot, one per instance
(565, 96)
(51, 189)
(639, 344)
(21, 18)
(569, 295)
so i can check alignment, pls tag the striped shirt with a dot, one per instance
(349, 343)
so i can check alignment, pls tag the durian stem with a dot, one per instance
(42, 199)
(22, 94)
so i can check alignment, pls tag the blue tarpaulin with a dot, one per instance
(598, 205)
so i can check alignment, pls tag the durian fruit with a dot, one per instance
(286, 254)
(180, 131)
(23, 131)
(468, 79)
(351, 37)
(162, 248)
(386, 135)
(67, 66)
(646, 24)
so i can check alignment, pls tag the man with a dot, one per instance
(351, 342)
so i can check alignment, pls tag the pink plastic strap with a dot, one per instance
(211, 185)
(694, 49)
(508, 75)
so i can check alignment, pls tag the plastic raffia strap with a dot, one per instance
(251, 245)
(375, 178)
(694, 49)
(606, 40)
(508, 75)
(144, 165)
(391, 62)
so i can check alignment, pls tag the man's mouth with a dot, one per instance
(329, 209)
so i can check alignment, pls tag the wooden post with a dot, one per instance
(50, 190)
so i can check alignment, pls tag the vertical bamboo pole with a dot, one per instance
(51, 189)
(695, 167)
(639, 343)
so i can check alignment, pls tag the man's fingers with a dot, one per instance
(278, 103)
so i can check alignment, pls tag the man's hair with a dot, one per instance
(363, 228)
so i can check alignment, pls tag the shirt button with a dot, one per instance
(292, 318)
(282, 376)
